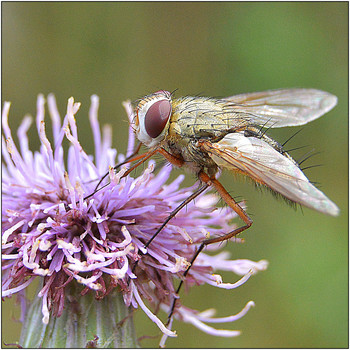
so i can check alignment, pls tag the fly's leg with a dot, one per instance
(232, 204)
(178, 162)
(142, 158)
(127, 160)
(211, 181)
(176, 210)
(171, 215)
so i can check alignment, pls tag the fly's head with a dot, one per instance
(152, 115)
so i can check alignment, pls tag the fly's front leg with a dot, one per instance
(129, 159)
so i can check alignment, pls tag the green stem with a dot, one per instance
(85, 322)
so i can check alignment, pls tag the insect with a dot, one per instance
(205, 134)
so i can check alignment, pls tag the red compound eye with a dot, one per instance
(156, 117)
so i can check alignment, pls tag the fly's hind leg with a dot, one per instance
(232, 204)
(211, 181)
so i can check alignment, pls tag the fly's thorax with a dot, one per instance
(202, 117)
(152, 116)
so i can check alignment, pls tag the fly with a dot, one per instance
(206, 134)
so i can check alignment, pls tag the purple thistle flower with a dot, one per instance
(50, 231)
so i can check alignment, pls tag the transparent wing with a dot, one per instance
(288, 107)
(264, 164)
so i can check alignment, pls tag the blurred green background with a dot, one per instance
(126, 50)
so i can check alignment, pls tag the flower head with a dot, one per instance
(53, 232)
